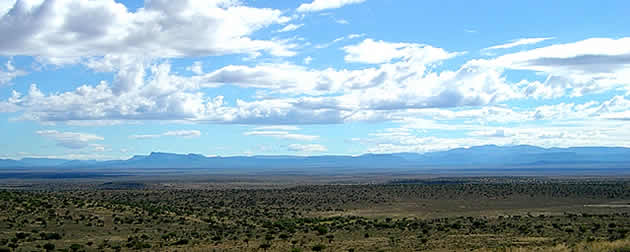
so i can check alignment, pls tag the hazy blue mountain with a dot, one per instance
(79, 163)
(43, 161)
(487, 156)
(9, 163)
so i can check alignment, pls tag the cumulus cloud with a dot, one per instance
(62, 32)
(375, 52)
(518, 42)
(9, 73)
(395, 81)
(404, 87)
(307, 148)
(386, 87)
(72, 140)
(308, 60)
(163, 97)
(158, 94)
(197, 67)
(177, 133)
(319, 5)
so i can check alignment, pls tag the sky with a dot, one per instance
(105, 79)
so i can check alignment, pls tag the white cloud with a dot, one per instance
(411, 142)
(9, 73)
(353, 94)
(471, 85)
(493, 133)
(339, 39)
(400, 84)
(307, 148)
(183, 133)
(588, 66)
(98, 147)
(278, 127)
(584, 113)
(197, 67)
(376, 52)
(591, 123)
(72, 140)
(83, 155)
(290, 27)
(319, 5)
(177, 133)
(405, 88)
(61, 32)
(142, 137)
(622, 116)
(5, 6)
(308, 60)
(282, 135)
(405, 139)
(518, 42)
(589, 110)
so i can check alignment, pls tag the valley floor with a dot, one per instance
(432, 214)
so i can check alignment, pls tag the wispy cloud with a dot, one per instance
(307, 148)
(320, 5)
(518, 42)
(290, 27)
(282, 135)
(339, 39)
(341, 21)
(177, 133)
(72, 140)
(278, 127)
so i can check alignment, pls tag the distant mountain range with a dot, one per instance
(487, 156)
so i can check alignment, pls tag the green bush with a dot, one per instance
(49, 246)
(319, 247)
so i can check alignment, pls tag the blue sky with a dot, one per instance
(111, 79)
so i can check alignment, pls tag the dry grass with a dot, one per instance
(601, 246)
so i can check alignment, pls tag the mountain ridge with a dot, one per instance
(485, 155)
